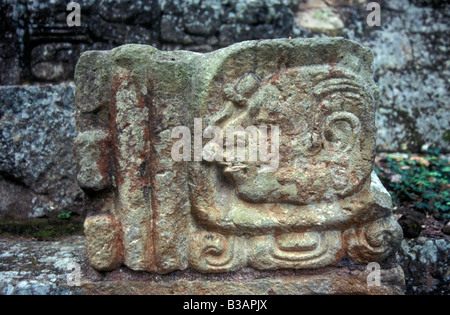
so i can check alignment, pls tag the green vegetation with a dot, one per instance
(447, 135)
(421, 181)
(65, 215)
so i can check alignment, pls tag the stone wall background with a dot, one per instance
(38, 53)
(37, 169)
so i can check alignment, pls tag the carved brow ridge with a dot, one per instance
(335, 85)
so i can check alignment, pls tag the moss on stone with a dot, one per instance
(446, 136)
(41, 229)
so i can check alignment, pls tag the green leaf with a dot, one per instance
(65, 215)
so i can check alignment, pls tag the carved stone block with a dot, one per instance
(316, 202)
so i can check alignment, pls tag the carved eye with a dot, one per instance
(341, 130)
(248, 84)
(243, 89)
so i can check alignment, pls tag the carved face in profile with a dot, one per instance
(320, 111)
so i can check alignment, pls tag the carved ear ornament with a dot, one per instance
(341, 140)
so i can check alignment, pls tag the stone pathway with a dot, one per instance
(39, 268)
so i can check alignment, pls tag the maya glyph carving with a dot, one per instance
(312, 199)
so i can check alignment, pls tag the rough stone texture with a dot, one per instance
(11, 42)
(426, 265)
(410, 49)
(30, 267)
(37, 169)
(101, 230)
(42, 268)
(152, 213)
(418, 24)
(204, 26)
(39, 268)
(40, 46)
(343, 279)
(411, 67)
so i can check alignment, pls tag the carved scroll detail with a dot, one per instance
(214, 252)
(150, 212)
(269, 253)
(375, 241)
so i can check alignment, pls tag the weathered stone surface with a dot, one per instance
(412, 68)
(38, 45)
(410, 47)
(446, 229)
(425, 262)
(344, 279)
(37, 168)
(103, 242)
(43, 268)
(40, 268)
(31, 267)
(10, 44)
(321, 17)
(321, 203)
(92, 174)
